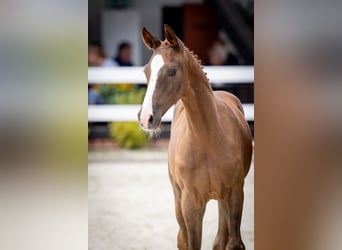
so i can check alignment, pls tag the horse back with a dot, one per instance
(229, 99)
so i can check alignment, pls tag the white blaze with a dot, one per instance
(147, 109)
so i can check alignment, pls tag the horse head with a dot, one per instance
(164, 73)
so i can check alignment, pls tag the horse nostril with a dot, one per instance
(150, 120)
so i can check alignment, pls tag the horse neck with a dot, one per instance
(199, 100)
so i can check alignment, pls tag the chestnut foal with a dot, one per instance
(210, 145)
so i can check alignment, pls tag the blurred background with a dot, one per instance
(130, 197)
(46, 156)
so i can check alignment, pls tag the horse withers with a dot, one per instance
(210, 145)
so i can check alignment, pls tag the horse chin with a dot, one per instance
(152, 132)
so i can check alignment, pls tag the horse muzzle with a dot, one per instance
(149, 121)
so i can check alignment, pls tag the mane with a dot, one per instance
(196, 58)
(198, 62)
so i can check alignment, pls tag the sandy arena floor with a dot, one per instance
(131, 204)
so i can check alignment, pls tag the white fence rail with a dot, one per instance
(119, 75)
(216, 74)
(114, 113)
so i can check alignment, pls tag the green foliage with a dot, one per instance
(122, 94)
(126, 134)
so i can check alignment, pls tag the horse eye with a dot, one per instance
(172, 72)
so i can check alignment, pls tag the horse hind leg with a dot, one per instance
(193, 212)
(221, 239)
(235, 203)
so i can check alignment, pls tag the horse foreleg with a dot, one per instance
(182, 239)
(193, 213)
(235, 212)
(221, 239)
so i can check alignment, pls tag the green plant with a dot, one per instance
(122, 94)
(126, 134)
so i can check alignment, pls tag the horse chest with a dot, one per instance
(190, 161)
(202, 163)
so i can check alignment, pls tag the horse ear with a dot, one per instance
(171, 36)
(150, 41)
